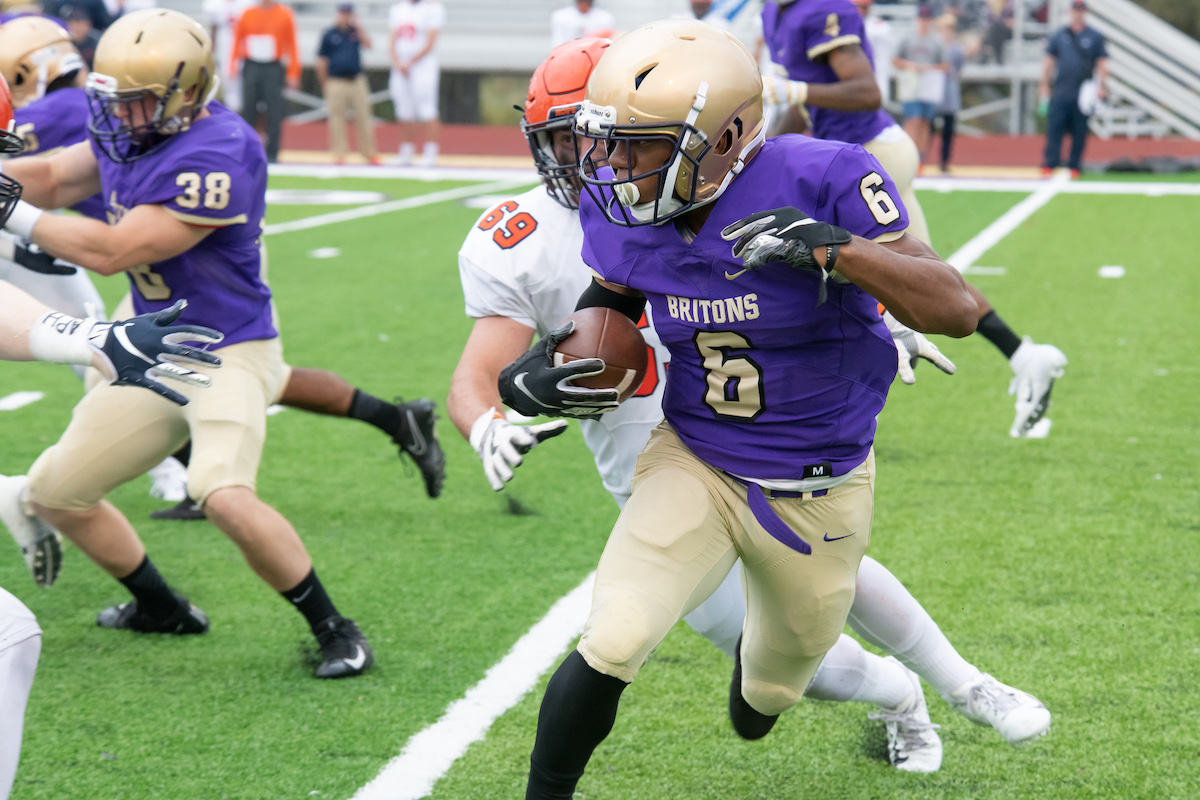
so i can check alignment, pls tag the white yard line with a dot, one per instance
(430, 753)
(17, 400)
(990, 236)
(375, 209)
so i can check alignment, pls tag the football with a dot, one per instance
(613, 338)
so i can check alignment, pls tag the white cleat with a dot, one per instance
(913, 743)
(40, 544)
(169, 480)
(1018, 716)
(1035, 368)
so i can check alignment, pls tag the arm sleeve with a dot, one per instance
(861, 197)
(288, 48)
(823, 33)
(486, 295)
(324, 50)
(203, 190)
(238, 51)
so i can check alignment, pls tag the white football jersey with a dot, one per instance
(17, 622)
(567, 24)
(522, 260)
(413, 23)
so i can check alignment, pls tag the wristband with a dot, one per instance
(480, 426)
(797, 93)
(24, 217)
(62, 339)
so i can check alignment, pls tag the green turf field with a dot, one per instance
(1066, 566)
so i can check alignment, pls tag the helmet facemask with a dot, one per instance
(131, 124)
(561, 179)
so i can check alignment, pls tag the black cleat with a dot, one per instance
(418, 438)
(186, 509)
(186, 619)
(344, 650)
(748, 723)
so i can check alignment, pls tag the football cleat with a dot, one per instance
(40, 544)
(417, 437)
(185, 509)
(1035, 368)
(913, 743)
(748, 723)
(344, 650)
(169, 480)
(1018, 716)
(126, 617)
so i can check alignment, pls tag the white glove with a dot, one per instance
(502, 446)
(778, 90)
(910, 346)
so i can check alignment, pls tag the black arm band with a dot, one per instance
(603, 297)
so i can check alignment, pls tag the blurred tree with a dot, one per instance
(1183, 14)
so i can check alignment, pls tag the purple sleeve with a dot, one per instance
(860, 197)
(827, 27)
(202, 186)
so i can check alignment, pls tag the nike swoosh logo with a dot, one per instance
(834, 539)
(729, 277)
(358, 660)
(300, 599)
(519, 382)
(419, 445)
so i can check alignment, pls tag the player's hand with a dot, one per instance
(140, 350)
(779, 91)
(782, 234)
(32, 257)
(502, 446)
(533, 386)
(911, 346)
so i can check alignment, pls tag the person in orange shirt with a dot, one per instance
(264, 46)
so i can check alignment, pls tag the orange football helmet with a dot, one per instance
(555, 92)
(10, 144)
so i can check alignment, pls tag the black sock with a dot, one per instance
(154, 598)
(380, 413)
(996, 331)
(310, 599)
(184, 454)
(577, 712)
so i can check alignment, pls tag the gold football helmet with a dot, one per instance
(686, 82)
(152, 74)
(555, 92)
(36, 52)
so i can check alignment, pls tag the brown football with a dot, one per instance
(613, 338)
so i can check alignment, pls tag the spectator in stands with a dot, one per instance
(415, 25)
(266, 54)
(879, 34)
(83, 35)
(1075, 55)
(956, 56)
(922, 64)
(117, 8)
(95, 9)
(221, 17)
(999, 29)
(344, 84)
(580, 19)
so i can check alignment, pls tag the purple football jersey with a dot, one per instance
(764, 383)
(214, 174)
(59, 119)
(800, 37)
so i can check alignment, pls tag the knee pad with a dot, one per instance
(52, 486)
(616, 639)
(769, 698)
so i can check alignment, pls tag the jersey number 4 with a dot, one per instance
(515, 228)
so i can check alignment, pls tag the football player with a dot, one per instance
(413, 83)
(31, 331)
(777, 374)
(514, 288)
(185, 182)
(825, 84)
(51, 112)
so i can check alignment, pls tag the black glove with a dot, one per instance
(146, 347)
(533, 386)
(33, 258)
(788, 235)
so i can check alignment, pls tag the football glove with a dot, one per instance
(502, 446)
(533, 386)
(32, 257)
(779, 91)
(140, 350)
(788, 235)
(911, 346)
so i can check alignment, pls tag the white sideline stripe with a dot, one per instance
(430, 753)
(375, 209)
(1074, 187)
(19, 400)
(990, 236)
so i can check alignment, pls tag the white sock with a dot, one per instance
(430, 152)
(889, 617)
(719, 618)
(406, 152)
(851, 674)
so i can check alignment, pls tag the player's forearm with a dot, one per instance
(857, 94)
(472, 393)
(91, 244)
(919, 288)
(30, 331)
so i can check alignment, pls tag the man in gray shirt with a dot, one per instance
(921, 59)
